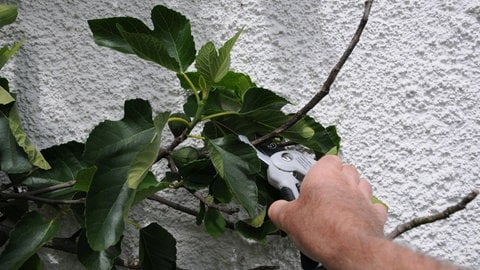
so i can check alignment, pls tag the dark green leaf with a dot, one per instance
(324, 141)
(78, 209)
(117, 148)
(98, 260)
(173, 29)
(66, 160)
(236, 163)
(220, 190)
(29, 235)
(197, 174)
(149, 186)
(170, 44)
(105, 32)
(258, 234)
(184, 155)
(12, 158)
(157, 248)
(150, 48)
(84, 178)
(14, 210)
(190, 107)
(257, 99)
(33, 263)
(214, 222)
(177, 123)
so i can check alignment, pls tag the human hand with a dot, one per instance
(334, 210)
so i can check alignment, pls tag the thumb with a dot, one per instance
(276, 212)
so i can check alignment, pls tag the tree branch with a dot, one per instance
(173, 205)
(31, 195)
(52, 188)
(226, 210)
(328, 82)
(429, 219)
(27, 196)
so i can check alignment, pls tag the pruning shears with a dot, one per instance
(285, 171)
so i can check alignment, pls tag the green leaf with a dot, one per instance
(257, 221)
(8, 14)
(6, 53)
(185, 155)
(170, 44)
(114, 147)
(145, 159)
(34, 156)
(106, 32)
(257, 99)
(238, 82)
(324, 141)
(157, 248)
(260, 114)
(150, 48)
(259, 234)
(197, 174)
(236, 162)
(220, 191)
(66, 160)
(29, 235)
(33, 263)
(84, 178)
(98, 260)
(214, 222)
(5, 97)
(174, 30)
(212, 65)
(177, 123)
(149, 186)
(12, 158)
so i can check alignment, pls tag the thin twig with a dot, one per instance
(26, 196)
(52, 188)
(226, 210)
(429, 219)
(328, 82)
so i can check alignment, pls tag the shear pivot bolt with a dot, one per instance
(287, 157)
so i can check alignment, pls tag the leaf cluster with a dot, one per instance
(99, 180)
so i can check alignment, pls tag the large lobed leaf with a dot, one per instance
(169, 44)
(29, 235)
(236, 163)
(122, 152)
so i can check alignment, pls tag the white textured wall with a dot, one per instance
(406, 103)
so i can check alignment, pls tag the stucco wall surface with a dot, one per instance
(406, 103)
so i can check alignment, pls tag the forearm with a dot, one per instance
(378, 253)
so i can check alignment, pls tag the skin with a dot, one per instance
(334, 221)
